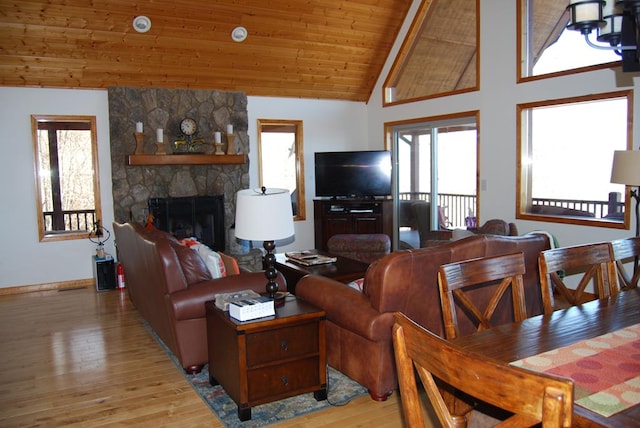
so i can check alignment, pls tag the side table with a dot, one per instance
(344, 269)
(270, 358)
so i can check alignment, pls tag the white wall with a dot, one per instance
(497, 99)
(327, 126)
(23, 259)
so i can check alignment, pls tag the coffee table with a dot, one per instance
(344, 269)
(270, 358)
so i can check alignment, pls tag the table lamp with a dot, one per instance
(265, 215)
(626, 170)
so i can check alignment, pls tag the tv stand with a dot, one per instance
(339, 216)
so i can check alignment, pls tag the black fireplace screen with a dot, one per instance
(201, 217)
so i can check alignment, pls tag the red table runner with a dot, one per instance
(605, 369)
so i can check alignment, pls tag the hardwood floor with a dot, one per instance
(83, 358)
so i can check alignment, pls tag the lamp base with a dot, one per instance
(270, 268)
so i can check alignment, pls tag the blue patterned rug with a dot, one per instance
(341, 390)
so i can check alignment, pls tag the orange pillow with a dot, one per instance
(230, 263)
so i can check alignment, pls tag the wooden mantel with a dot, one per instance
(196, 159)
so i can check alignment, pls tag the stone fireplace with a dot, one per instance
(135, 186)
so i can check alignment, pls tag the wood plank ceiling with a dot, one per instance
(331, 49)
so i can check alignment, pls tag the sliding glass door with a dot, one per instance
(436, 175)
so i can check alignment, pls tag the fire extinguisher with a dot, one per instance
(120, 273)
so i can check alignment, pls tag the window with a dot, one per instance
(547, 46)
(564, 166)
(66, 171)
(281, 160)
(439, 55)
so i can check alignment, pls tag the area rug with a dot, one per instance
(341, 390)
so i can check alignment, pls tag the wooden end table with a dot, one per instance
(343, 269)
(268, 359)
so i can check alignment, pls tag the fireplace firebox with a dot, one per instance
(201, 217)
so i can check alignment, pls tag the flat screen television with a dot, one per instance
(355, 174)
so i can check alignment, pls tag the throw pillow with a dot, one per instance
(230, 263)
(357, 284)
(211, 259)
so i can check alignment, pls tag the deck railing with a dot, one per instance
(69, 221)
(457, 206)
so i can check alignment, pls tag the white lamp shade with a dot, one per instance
(626, 167)
(264, 217)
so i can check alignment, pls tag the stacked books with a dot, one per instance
(251, 308)
(308, 258)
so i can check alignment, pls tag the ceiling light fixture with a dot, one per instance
(616, 22)
(239, 34)
(141, 24)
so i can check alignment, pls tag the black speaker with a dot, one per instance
(104, 272)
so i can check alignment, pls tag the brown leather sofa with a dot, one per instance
(358, 333)
(169, 283)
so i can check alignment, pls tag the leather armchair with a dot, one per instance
(358, 329)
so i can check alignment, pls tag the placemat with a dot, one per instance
(605, 369)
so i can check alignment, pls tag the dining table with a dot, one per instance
(564, 328)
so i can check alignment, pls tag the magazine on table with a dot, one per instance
(309, 258)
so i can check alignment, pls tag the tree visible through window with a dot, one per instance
(66, 171)
(282, 161)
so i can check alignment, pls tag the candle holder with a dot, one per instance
(160, 148)
(230, 148)
(139, 136)
(219, 150)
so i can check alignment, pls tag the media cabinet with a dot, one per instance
(338, 216)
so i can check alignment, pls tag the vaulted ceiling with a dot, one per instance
(325, 49)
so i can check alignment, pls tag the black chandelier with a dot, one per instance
(616, 22)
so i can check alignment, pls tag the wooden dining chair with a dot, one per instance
(497, 274)
(592, 263)
(532, 397)
(625, 250)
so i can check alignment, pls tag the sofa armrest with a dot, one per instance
(189, 303)
(346, 307)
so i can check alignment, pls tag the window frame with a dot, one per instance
(47, 236)
(300, 213)
(523, 173)
(420, 21)
(522, 32)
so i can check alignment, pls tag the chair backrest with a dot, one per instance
(459, 281)
(594, 262)
(365, 247)
(532, 397)
(623, 251)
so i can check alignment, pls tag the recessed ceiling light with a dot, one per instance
(141, 24)
(239, 34)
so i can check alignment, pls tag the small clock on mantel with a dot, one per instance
(188, 127)
(188, 138)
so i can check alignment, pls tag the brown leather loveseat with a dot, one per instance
(358, 334)
(169, 284)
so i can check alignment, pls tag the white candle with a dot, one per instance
(217, 137)
(160, 135)
(229, 129)
(139, 127)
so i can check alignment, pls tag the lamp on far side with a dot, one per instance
(265, 215)
(626, 170)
